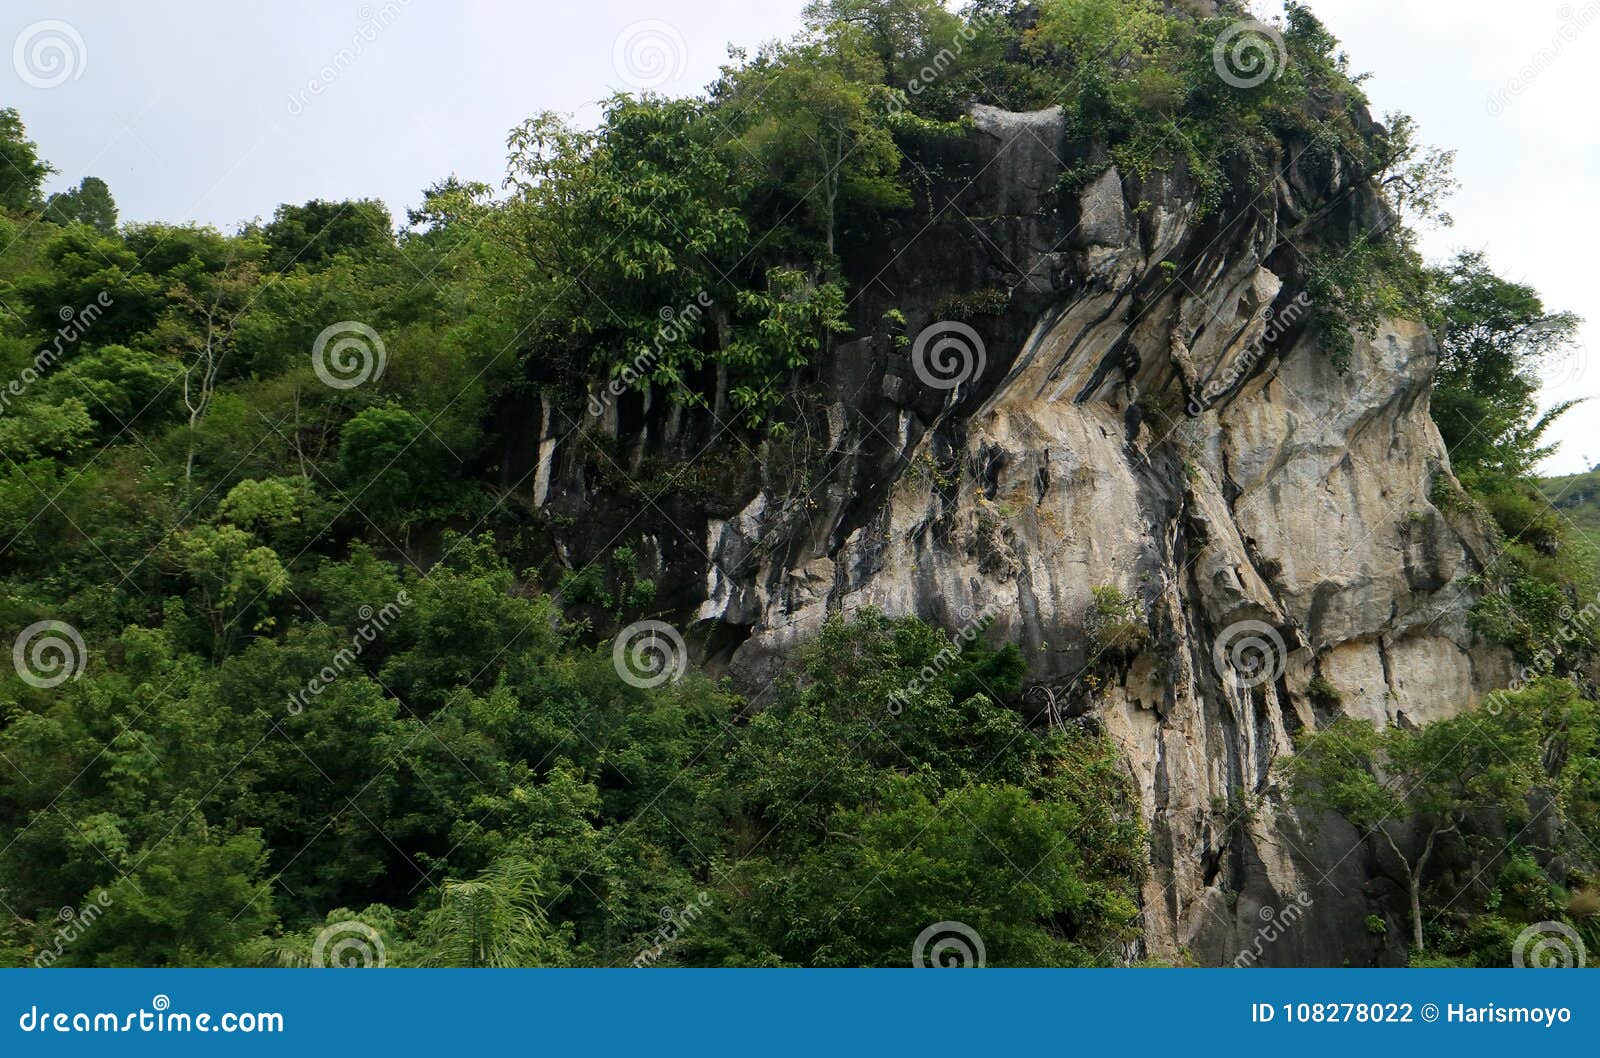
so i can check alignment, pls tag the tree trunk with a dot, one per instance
(1416, 911)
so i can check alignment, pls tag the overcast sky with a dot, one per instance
(218, 110)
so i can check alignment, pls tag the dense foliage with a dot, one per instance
(330, 670)
(1482, 820)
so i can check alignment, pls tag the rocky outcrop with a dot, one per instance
(1098, 387)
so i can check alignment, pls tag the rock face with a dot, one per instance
(1098, 388)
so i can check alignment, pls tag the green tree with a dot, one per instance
(1404, 789)
(89, 203)
(190, 901)
(1493, 336)
(22, 174)
(314, 233)
(821, 127)
(902, 35)
(234, 580)
(389, 461)
(493, 921)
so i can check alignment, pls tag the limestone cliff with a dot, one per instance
(1095, 386)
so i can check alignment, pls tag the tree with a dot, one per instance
(22, 174)
(192, 900)
(208, 297)
(89, 203)
(903, 35)
(389, 460)
(1404, 789)
(315, 233)
(234, 579)
(821, 127)
(1024, 874)
(493, 921)
(79, 266)
(1493, 335)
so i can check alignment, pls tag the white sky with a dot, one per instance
(183, 107)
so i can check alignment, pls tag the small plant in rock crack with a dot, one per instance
(1116, 626)
(1323, 695)
(613, 585)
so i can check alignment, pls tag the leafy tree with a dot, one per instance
(79, 266)
(22, 173)
(902, 35)
(89, 203)
(234, 579)
(312, 234)
(389, 461)
(190, 901)
(1493, 335)
(208, 296)
(866, 771)
(1405, 789)
(493, 921)
(822, 130)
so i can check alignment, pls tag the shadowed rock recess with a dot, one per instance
(1147, 410)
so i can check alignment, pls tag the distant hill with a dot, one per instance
(1577, 497)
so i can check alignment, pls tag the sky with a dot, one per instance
(216, 111)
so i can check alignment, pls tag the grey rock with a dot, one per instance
(1293, 510)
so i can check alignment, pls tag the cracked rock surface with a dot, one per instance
(1293, 514)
